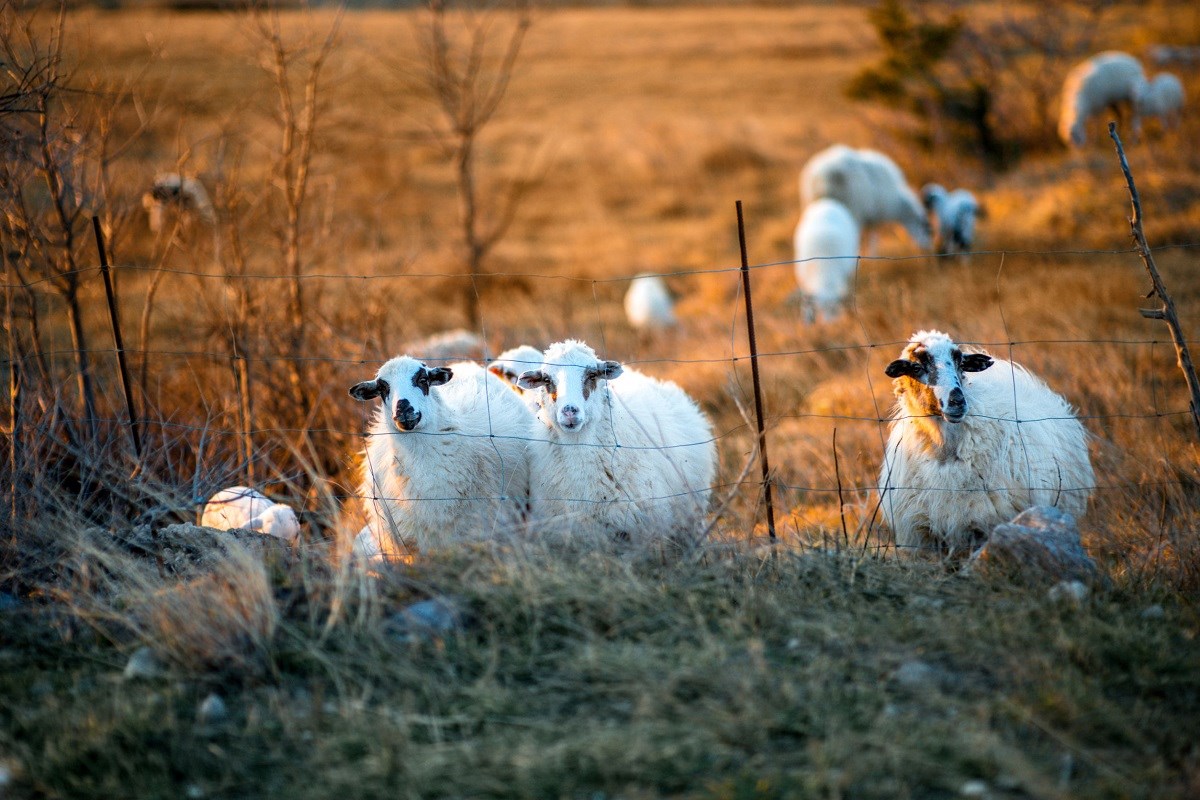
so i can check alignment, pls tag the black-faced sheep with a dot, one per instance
(445, 458)
(974, 441)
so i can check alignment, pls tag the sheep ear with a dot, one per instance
(976, 362)
(533, 379)
(902, 366)
(609, 370)
(368, 390)
(439, 375)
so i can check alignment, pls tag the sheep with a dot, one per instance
(870, 185)
(249, 509)
(447, 347)
(648, 304)
(445, 456)
(509, 365)
(974, 441)
(955, 213)
(1161, 98)
(1104, 81)
(616, 454)
(827, 241)
(185, 195)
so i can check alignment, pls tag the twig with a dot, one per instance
(837, 471)
(1166, 312)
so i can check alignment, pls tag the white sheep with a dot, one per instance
(974, 441)
(1161, 98)
(1104, 81)
(955, 214)
(617, 454)
(251, 510)
(445, 457)
(509, 365)
(648, 304)
(447, 347)
(870, 185)
(827, 241)
(184, 195)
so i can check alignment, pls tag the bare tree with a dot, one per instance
(465, 72)
(297, 118)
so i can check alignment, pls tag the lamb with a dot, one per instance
(827, 241)
(1104, 81)
(648, 304)
(445, 456)
(250, 509)
(1161, 98)
(974, 441)
(509, 365)
(955, 213)
(870, 185)
(616, 454)
(185, 195)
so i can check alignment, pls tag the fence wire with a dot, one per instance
(732, 439)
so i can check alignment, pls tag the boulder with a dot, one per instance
(1041, 545)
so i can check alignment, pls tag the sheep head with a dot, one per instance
(928, 376)
(404, 386)
(567, 382)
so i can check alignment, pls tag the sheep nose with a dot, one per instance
(956, 399)
(570, 416)
(406, 417)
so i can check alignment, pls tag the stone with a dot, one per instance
(213, 710)
(1068, 592)
(427, 620)
(142, 665)
(1153, 612)
(916, 676)
(974, 789)
(1041, 544)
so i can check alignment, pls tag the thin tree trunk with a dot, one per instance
(475, 247)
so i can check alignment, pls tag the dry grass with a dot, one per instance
(725, 674)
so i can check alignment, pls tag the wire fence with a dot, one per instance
(733, 433)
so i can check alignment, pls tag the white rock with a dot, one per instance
(974, 789)
(142, 665)
(1153, 612)
(213, 710)
(1074, 592)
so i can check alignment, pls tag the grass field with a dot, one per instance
(831, 668)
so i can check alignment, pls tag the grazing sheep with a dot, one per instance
(974, 441)
(648, 304)
(1104, 81)
(955, 213)
(445, 457)
(616, 454)
(251, 510)
(827, 241)
(870, 185)
(172, 191)
(1161, 98)
(509, 365)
